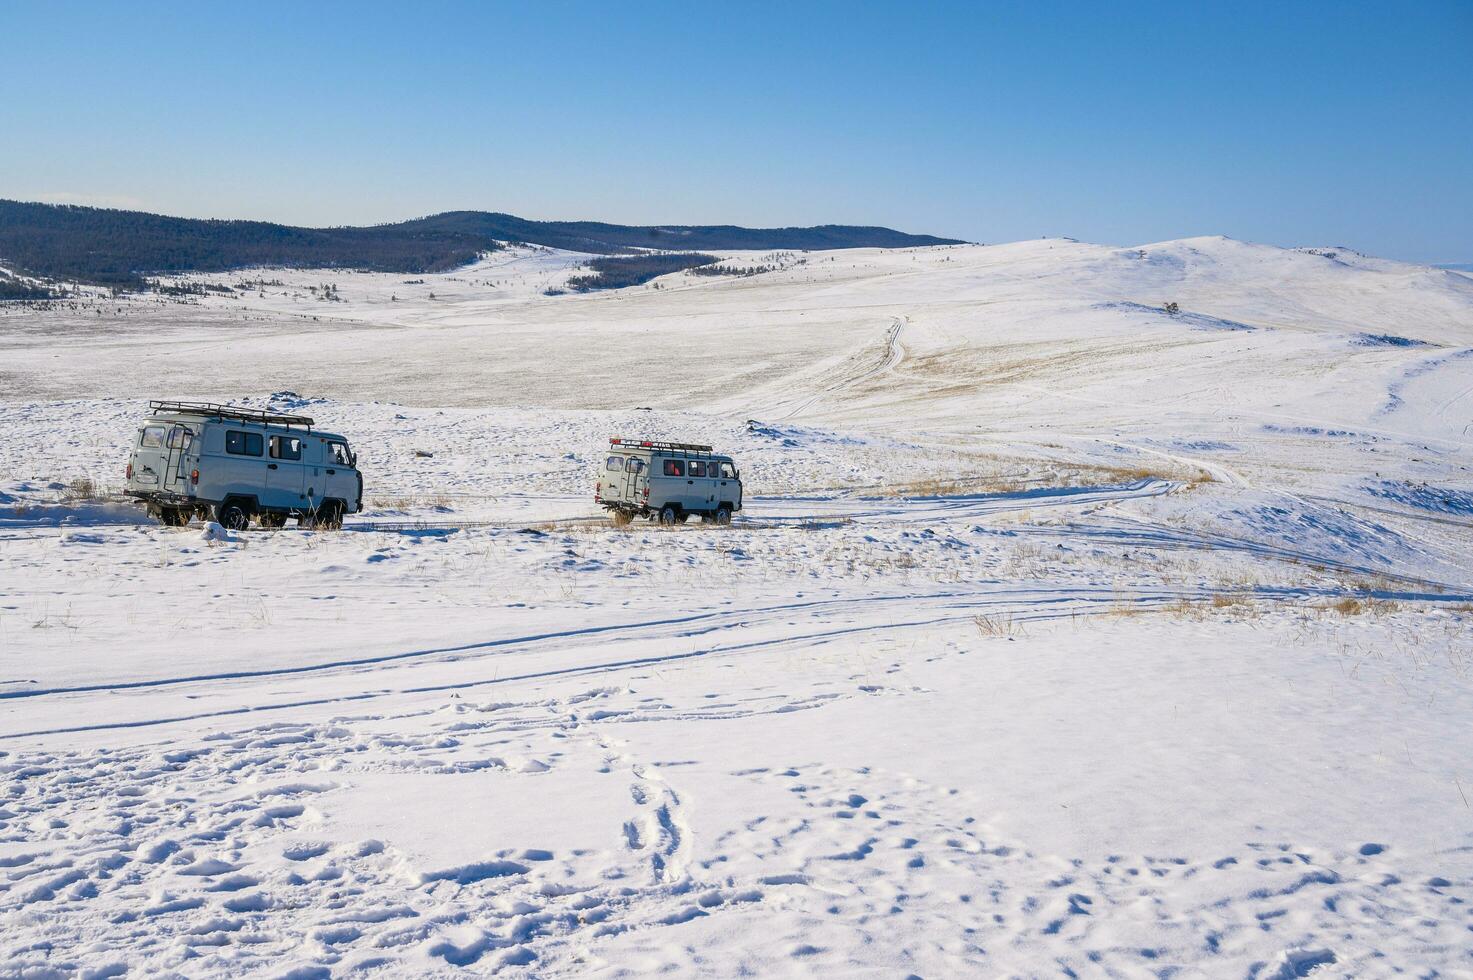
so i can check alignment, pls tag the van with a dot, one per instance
(668, 482)
(238, 465)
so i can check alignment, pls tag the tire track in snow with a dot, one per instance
(893, 355)
(886, 614)
(945, 608)
(919, 509)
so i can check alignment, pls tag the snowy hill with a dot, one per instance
(1064, 630)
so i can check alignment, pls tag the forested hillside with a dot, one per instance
(120, 248)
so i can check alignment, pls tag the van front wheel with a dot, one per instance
(722, 515)
(329, 516)
(232, 515)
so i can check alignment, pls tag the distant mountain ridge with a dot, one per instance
(119, 248)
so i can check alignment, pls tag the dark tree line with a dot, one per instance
(616, 272)
(15, 289)
(122, 248)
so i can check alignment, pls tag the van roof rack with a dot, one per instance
(680, 447)
(237, 412)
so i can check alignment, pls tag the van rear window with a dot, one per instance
(675, 467)
(152, 438)
(634, 466)
(614, 464)
(243, 443)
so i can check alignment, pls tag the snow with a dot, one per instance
(1060, 632)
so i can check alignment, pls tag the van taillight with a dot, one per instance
(130, 471)
(194, 476)
(646, 491)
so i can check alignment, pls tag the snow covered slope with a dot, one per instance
(1062, 632)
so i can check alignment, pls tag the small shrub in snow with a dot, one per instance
(82, 488)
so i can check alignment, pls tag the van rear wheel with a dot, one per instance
(233, 515)
(722, 515)
(668, 515)
(174, 516)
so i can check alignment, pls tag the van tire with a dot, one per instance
(722, 515)
(669, 515)
(174, 516)
(233, 515)
(329, 516)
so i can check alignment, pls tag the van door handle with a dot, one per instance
(690, 481)
(271, 466)
(331, 472)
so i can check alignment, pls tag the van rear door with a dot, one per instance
(179, 457)
(150, 457)
(636, 478)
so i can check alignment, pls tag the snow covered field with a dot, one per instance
(1060, 633)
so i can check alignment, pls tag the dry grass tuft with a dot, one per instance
(406, 502)
(998, 625)
(82, 489)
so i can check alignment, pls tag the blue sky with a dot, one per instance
(1292, 123)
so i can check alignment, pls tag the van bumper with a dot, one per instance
(164, 497)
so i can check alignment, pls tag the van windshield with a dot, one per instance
(339, 454)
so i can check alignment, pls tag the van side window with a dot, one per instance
(675, 467)
(614, 464)
(635, 466)
(338, 453)
(153, 437)
(728, 472)
(286, 447)
(243, 443)
(697, 468)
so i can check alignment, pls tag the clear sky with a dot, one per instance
(1293, 123)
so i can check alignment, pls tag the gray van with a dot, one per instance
(668, 482)
(237, 465)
